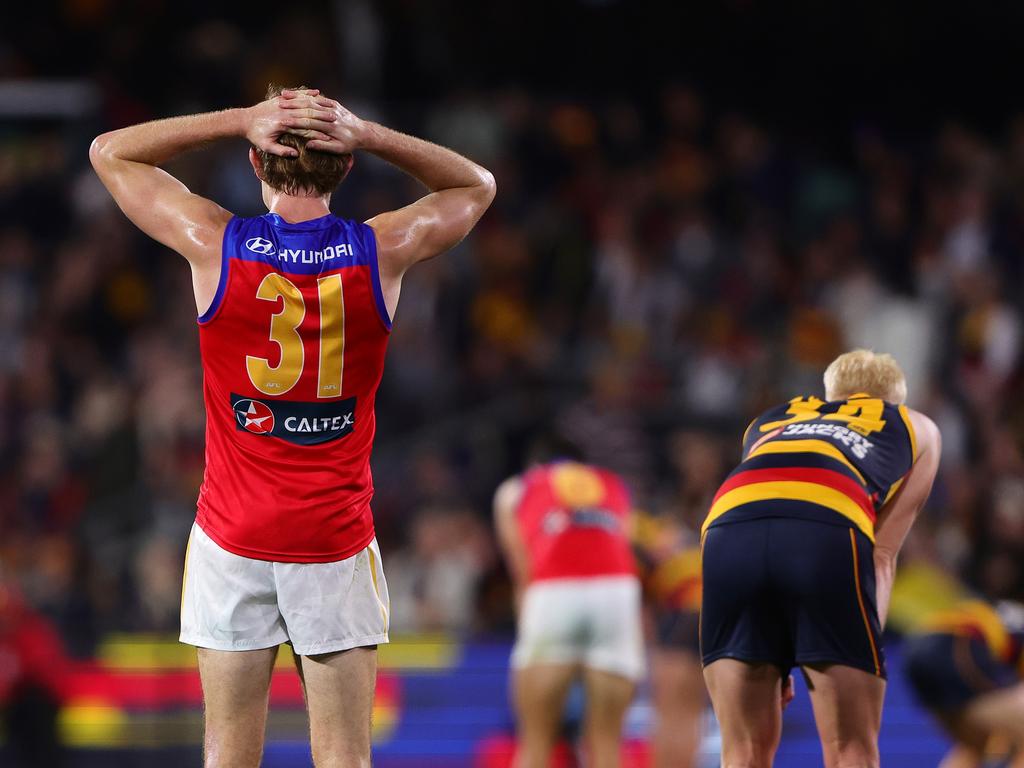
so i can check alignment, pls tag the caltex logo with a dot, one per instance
(254, 416)
(259, 245)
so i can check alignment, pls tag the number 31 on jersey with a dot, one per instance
(284, 331)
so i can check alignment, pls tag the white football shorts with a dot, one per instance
(235, 603)
(594, 622)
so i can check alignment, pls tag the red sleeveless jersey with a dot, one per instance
(293, 350)
(573, 521)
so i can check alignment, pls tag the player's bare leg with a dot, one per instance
(999, 713)
(970, 742)
(339, 690)
(961, 756)
(848, 711)
(539, 693)
(679, 701)
(608, 697)
(747, 699)
(236, 687)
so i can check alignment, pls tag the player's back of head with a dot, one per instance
(310, 172)
(864, 371)
(553, 446)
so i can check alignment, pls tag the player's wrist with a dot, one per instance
(372, 137)
(241, 121)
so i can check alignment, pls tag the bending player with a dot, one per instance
(670, 572)
(295, 308)
(563, 529)
(799, 554)
(967, 669)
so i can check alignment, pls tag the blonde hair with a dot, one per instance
(861, 370)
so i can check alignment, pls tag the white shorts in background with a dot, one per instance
(594, 622)
(235, 603)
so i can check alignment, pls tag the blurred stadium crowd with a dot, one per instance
(650, 277)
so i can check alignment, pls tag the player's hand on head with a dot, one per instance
(344, 134)
(291, 112)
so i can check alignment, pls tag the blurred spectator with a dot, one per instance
(32, 665)
(433, 582)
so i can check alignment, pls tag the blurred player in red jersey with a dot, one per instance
(799, 554)
(295, 311)
(563, 527)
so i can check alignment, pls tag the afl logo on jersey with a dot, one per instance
(259, 245)
(254, 416)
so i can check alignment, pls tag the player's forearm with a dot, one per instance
(885, 576)
(435, 166)
(158, 141)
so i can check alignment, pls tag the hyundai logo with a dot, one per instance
(259, 245)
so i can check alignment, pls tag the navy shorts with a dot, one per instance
(946, 672)
(788, 592)
(677, 630)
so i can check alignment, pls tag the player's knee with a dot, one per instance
(748, 761)
(853, 754)
(748, 753)
(335, 752)
(217, 755)
(346, 759)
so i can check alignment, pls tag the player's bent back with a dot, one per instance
(563, 528)
(799, 551)
(582, 599)
(831, 466)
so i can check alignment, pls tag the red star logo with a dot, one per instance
(254, 416)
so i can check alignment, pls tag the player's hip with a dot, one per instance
(793, 500)
(947, 671)
(790, 591)
(232, 602)
(592, 622)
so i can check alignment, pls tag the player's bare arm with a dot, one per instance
(897, 517)
(460, 191)
(127, 161)
(506, 499)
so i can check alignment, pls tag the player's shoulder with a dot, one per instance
(579, 483)
(778, 408)
(924, 432)
(609, 477)
(786, 408)
(508, 494)
(238, 227)
(267, 236)
(322, 224)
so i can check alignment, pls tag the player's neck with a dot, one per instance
(296, 209)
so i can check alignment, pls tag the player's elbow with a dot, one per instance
(929, 439)
(488, 189)
(489, 183)
(99, 150)
(104, 150)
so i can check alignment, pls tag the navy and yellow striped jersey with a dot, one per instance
(1000, 627)
(808, 458)
(669, 566)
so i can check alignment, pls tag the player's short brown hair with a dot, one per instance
(862, 370)
(311, 171)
